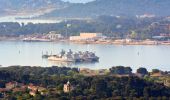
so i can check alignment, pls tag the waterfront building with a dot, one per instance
(87, 36)
(54, 36)
(76, 38)
(91, 35)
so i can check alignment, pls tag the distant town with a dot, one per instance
(88, 38)
(142, 30)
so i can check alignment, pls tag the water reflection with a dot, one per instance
(61, 64)
(30, 53)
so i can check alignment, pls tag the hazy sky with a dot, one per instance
(79, 1)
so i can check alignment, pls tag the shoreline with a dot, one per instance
(82, 67)
(144, 42)
(140, 42)
(99, 71)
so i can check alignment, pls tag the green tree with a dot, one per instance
(142, 71)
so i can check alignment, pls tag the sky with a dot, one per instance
(79, 1)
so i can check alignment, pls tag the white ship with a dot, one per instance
(73, 57)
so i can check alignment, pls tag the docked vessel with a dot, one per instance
(35, 40)
(73, 56)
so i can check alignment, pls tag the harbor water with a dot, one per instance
(30, 54)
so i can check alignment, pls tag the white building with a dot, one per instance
(87, 36)
(54, 36)
(91, 35)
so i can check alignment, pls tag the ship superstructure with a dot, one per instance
(71, 56)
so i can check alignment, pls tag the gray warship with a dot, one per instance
(71, 56)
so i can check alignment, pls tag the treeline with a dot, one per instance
(36, 75)
(85, 88)
(110, 26)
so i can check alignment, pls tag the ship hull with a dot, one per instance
(60, 59)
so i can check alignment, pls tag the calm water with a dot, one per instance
(26, 21)
(29, 53)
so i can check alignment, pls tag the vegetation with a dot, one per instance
(142, 71)
(111, 26)
(32, 5)
(129, 8)
(120, 70)
(87, 88)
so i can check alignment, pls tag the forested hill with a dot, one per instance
(31, 4)
(115, 8)
(108, 25)
(13, 7)
(91, 9)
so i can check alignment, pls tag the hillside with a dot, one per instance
(115, 8)
(58, 8)
(14, 7)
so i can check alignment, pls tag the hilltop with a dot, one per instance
(24, 7)
(58, 8)
(115, 8)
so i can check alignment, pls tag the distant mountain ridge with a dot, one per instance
(91, 9)
(31, 4)
(115, 8)
(17, 6)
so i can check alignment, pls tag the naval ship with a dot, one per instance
(70, 56)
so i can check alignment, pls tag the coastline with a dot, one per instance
(144, 42)
(96, 71)
(109, 42)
